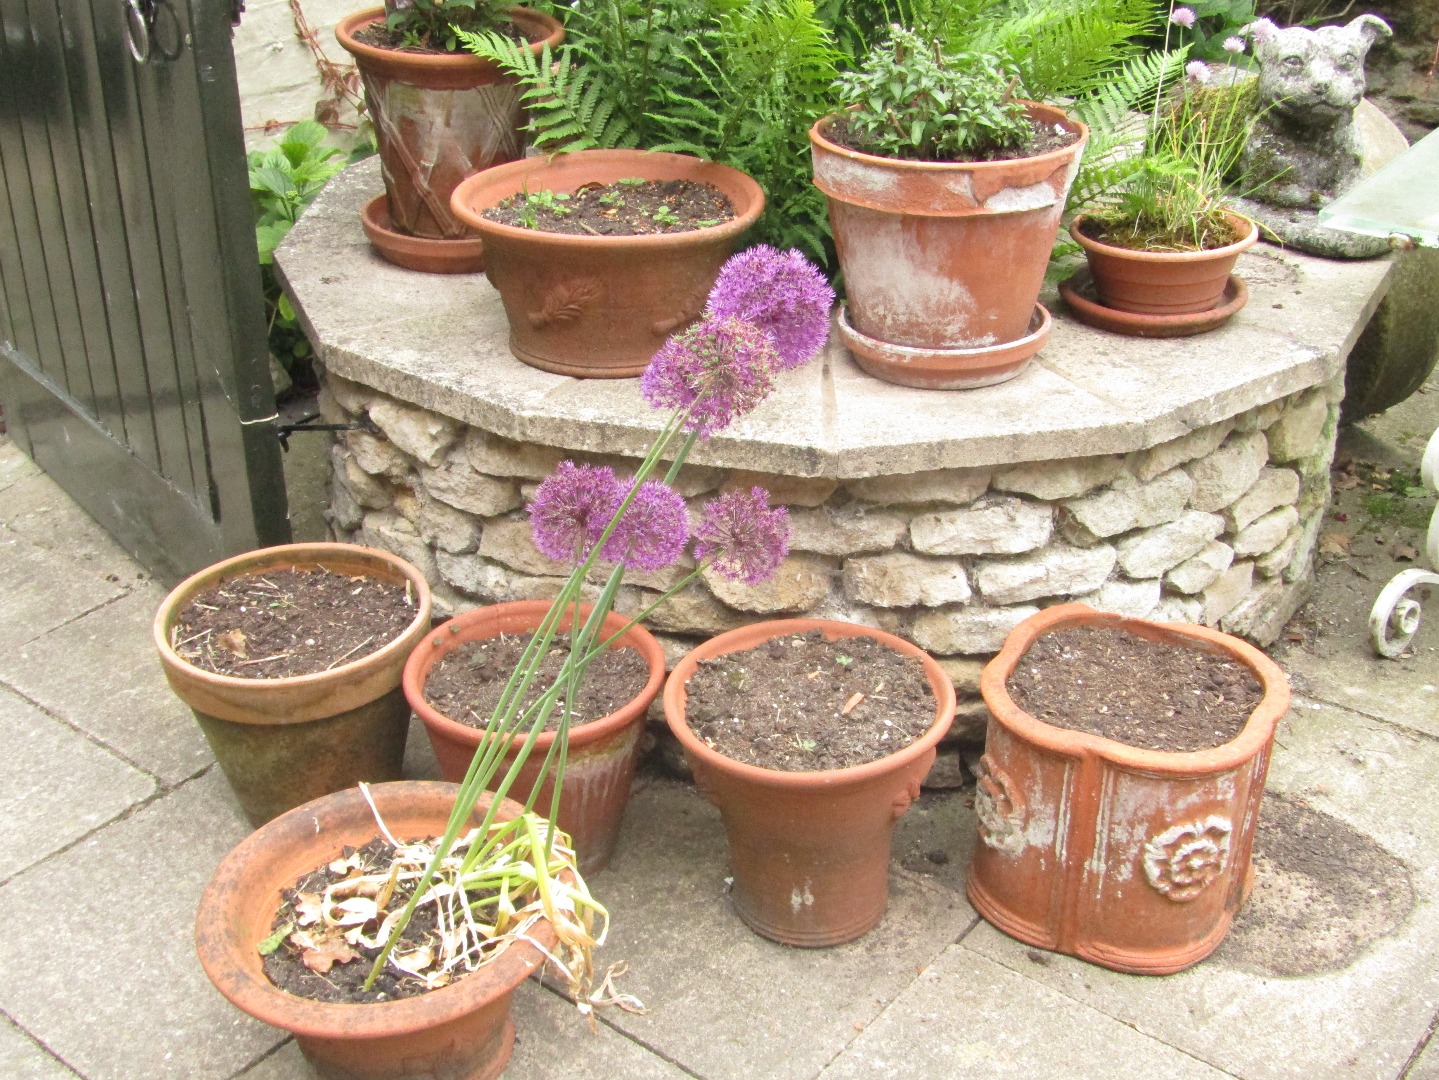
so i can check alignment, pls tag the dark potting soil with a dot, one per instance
(466, 684)
(629, 207)
(290, 622)
(802, 703)
(1206, 234)
(1142, 693)
(1042, 139)
(379, 36)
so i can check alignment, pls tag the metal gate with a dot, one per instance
(133, 362)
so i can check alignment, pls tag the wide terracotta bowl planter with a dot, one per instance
(945, 257)
(1129, 858)
(600, 306)
(283, 742)
(1163, 282)
(439, 118)
(603, 753)
(462, 1030)
(809, 850)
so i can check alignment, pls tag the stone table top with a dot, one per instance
(440, 342)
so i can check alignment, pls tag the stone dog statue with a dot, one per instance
(1310, 82)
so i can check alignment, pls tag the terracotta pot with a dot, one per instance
(439, 117)
(463, 1030)
(599, 306)
(283, 742)
(602, 753)
(809, 850)
(1129, 858)
(945, 256)
(1162, 282)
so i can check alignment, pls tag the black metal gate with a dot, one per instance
(132, 343)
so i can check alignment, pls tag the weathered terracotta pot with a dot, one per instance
(809, 850)
(439, 118)
(602, 753)
(945, 257)
(1129, 858)
(283, 742)
(599, 306)
(462, 1030)
(1162, 282)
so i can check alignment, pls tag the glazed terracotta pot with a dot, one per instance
(945, 258)
(809, 850)
(1163, 282)
(602, 753)
(599, 306)
(283, 742)
(462, 1031)
(439, 117)
(1129, 858)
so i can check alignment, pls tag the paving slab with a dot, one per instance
(936, 837)
(724, 1002)
(1426, 1066)
(100, 673)
(55, 785)
(15, 465)
(21, 1058)
(41, 589)
(39, 510)
(105, 974)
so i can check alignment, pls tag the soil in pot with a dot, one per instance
(803, 703)
(1214, 232)
(1042, 140)
(628, 207)
(290, 622)
(1139, 692)
(379, 36)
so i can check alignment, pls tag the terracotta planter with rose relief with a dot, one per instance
(809, 850)
(1133, 859)
(462, 1031)
(602, 753)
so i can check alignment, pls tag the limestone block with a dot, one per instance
(1273, 563)
(456, 483)
(1147, 464)
(691, 611)
(1133, 505)
(1064, 479)
(418, 432)
(694, 479)
(386, 529)
(406, 504)
(369, 491)
(345, 510)
(964, 672)
(996, 525)
(1150, 553)
(494, 584)
(971, 719)
(350, 396)
(446, 603)
(1274, 488)
(783, 490)
(1266, 533)
(377, 456)
(957, 487)
(1228, 590)
(1186, 609)
(852, 530)
(1056, 571)
(1260, 417)
(509, 542)
(967, 629)
(1133, 599)
(1261, 615)
(1201, 571)
(1296, 434)
(1303, 558)
(497, 456)
(659, 580)
(903, 580)
(1221, 477)
(801, 582)
(1075, 533)
(445, 527)
(330, 409)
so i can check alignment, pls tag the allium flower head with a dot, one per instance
(653, 532)
(571, 508)
(742, 537)
(1260, 30)
(778, 291)
(719, 368)
(1197, 70)
(1182, 16)
(1234, 45)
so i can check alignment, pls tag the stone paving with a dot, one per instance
(114, 816)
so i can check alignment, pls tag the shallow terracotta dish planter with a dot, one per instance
(462, 1030)
(809, 850)
(599, 306)
(282, 742)
(1130, 858)
(602, 753)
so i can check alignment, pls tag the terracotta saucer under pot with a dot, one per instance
(463, 256)
(945, 369)
(1079, 293)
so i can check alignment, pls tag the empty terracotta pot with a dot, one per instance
(1130, 858)
(809, 850)
(602, 753)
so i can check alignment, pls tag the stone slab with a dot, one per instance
(21, 1058)
(40, 511)
(15, 464)
(41, 589)
(1426, 1066)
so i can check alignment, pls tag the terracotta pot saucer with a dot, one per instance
(1078, 292)
(945, 369)
(463, 256)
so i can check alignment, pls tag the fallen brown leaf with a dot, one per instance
(1404, 552)
(234, 641)
(1334, 544)
(851, 704)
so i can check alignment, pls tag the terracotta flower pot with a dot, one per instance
(1130, 858)
(439, 117)
(809, 850)
(599, 306)
(1162, 282)
(283, 742)
(462, 1030)
(602, 753)
(945, 258)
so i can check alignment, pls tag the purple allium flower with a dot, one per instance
(653, 532)
(1233, 45)
(719, 368)
(742, 537)
(1182, 16)
(778, 291)
(571, 508)
(1197, 70)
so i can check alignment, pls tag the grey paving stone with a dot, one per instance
(14, 464)
(39, 510)
(41, 589)
(55, 785)
(966, 1016)
(724, 1002)
(107, 978)
(1426, 1066)
(22, 1059)
(101, 674)
(286, 1063)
